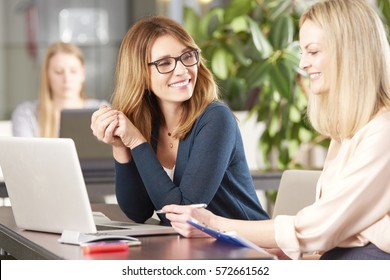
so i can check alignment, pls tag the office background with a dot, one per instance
(27, 27)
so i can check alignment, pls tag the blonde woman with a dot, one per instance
(62, 78)
(347, 58)
(172, 140)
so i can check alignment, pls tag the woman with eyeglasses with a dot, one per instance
(173, 141)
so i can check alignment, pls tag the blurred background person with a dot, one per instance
(62, 80)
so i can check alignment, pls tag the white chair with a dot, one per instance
(6, 128)
(297, 189)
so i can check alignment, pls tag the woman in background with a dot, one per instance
(62, 80)
(346, 55)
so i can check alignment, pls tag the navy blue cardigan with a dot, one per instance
(210, 168)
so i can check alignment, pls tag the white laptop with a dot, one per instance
(48, 193)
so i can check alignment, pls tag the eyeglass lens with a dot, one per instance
(168, 64)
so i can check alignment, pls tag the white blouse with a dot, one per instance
(170, 172)
(353, 197)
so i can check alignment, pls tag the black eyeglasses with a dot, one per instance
(168, 64)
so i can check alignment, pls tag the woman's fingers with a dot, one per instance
(108, 130)
(186, 230)
(102, 110)
(180, 214)
(103, 123)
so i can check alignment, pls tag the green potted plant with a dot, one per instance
(252, 48)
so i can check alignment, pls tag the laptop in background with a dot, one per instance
(47, 191)
(95, 157)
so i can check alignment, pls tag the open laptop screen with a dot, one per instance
(76, 124)
(94, 155)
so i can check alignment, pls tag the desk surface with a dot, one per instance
(23, 244)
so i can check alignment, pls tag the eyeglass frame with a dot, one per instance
(177, 58)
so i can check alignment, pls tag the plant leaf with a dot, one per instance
(191, 22)
(256, 73)
(282, 32)
(280, 79)
(238, 8)
(210, 22)
(219, 63)
(235, 46)
(260, 41)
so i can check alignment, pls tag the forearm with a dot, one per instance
(121, 154)
(260, 232)
(131, 194)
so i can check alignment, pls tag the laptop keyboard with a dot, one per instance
(98, 234)
(101, 230)
(101, 227)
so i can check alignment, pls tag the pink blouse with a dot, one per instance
(353, 197)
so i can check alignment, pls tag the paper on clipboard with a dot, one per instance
(231, 237)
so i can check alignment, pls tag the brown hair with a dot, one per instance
(132, 94)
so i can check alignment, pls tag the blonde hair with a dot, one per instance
(132, 94)
(359, 63)
(48, 115)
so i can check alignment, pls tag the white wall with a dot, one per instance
(251, 131)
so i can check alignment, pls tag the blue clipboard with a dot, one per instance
(231, 237)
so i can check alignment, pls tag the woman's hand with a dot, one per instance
(180, 214)
(113, 127)
(130, 136)
(278, 253)
(103, 124)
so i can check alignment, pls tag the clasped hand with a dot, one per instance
(113, 127)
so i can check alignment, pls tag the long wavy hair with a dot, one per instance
(132, 94)
(48, 115)
(360, 67)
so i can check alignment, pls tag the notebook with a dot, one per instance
(48, 193)
(95, 157)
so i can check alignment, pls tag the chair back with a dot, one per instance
(297, 189)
